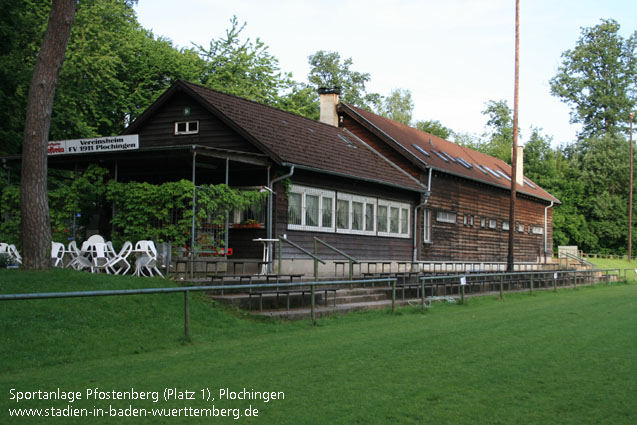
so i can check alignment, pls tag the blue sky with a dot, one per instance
(453, 55)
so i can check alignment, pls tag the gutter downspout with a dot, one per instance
(427, 195)
(545, 228)
(270, 206)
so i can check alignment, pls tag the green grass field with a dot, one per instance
(549, 358)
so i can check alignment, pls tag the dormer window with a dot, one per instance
(186, 127)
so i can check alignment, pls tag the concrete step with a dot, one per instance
(304, 313)
(351, 299)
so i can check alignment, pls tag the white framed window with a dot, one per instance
(465, 219)
(311, 209)
(483, 222)
(505, 225)
(186, 127)
(426, 236)
(492, 223)
(393, 219)
(538, 230)
(520, 227)
(446, 217)
(355, 214)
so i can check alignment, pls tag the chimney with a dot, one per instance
(519, 171)
(328, 101)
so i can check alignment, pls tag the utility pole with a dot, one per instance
(630, 193)
(514, 156)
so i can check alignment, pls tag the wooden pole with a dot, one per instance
(514, 156)
(630, 194)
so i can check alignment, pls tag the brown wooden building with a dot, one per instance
(466, 217)
(371, 187)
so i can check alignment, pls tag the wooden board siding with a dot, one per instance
(361, 247)
(380, 146)
(159, 130)
(473, 243)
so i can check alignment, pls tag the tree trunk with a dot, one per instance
(34, 206)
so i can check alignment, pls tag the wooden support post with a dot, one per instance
(531, 285)
(393, 295)
(187, 314)
(422, 294)
(462, 294)
(501, 285)
(312, 302)
(315, 265)
(280, 244)
(554, 282)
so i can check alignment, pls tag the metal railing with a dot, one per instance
(579, 259)
(351, 259)
(188, 289)
(461, 281)
(283, 238)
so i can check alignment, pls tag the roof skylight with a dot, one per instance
(421, 150)
(496, 175)
(441, 156)
(464, 163)
(346, 140)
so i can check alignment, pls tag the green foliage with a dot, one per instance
(243, 68)
(327, 70)
(163, 212)
(114, 69)
(398, 106)
(598, 79)
(436, 128)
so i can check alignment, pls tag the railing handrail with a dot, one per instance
(545, 272)
(300, 248)
(336, 250)
(577, 258)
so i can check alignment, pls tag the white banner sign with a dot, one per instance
(96, 145)
(463, 280)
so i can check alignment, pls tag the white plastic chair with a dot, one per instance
(79, 259)
(57, 254)
(92, 240)
(13, 252)
(119, 262)
(100, 260)
(146, 258)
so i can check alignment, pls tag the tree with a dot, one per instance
(598, 79)
(327, 70)
(436, 128)
(245, 69)
(398, 106)
(36, 226)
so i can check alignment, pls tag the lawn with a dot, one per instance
(548, 358)
(616, 263)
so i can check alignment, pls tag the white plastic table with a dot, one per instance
(267, 245)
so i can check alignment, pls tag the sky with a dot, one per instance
(453, 55)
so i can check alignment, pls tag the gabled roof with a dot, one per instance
(290, 139)
(427, 150)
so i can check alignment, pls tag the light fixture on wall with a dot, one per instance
(266, 189)
(187, 111)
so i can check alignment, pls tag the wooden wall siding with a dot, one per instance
(240, 240)
(474, 243)
(358, 246)
(159, 130)
(380, 146)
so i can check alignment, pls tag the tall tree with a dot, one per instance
(36, 226)
(243, 68)
(398, 106)
(327, 70)
(436, 128)
(598, 79)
